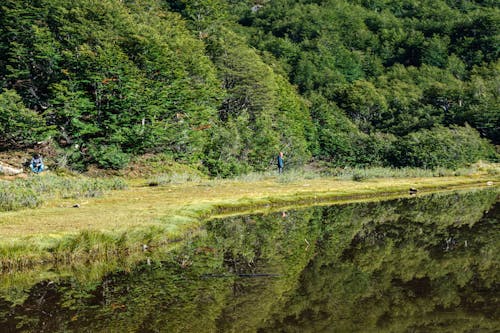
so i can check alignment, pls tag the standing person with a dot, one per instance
(36, 164)
(280, 162)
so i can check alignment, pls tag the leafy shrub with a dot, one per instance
(75, 159)
(441, 147)
(357, 177)
(225, 169)
(109, 157)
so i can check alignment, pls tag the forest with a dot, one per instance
(224, 85)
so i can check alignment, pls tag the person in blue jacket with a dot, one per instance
(36, 164)
(280, 162)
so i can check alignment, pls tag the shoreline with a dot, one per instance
(327, 200)
(120, 223)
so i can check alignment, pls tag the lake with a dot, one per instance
(417, 264)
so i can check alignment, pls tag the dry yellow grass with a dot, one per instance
(182, 204)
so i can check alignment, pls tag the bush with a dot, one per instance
(226, 169)
(452, 148)
(109, 157)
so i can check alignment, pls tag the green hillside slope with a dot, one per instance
(225, 85)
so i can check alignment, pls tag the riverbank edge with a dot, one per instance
(91, 245)
(326, 199)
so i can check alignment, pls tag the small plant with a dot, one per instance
(358, 176)
(110, 157)
(494, 172)
(174, 178)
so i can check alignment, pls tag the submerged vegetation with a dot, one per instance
(223, 86)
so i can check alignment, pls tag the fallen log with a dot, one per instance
(9, 170)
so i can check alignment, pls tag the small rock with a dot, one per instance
(256, 8)
(489, 183)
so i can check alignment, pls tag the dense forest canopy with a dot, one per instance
(224, 84)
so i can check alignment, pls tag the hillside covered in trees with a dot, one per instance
(224, 84)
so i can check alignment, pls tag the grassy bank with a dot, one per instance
(37, 190)
(158, 211)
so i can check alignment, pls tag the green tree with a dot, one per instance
(19, 126)
(482, 101)
(362, 103)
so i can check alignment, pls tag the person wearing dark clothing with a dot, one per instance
(280, 162)
(36, 164)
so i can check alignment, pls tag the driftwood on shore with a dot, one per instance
(8, 170)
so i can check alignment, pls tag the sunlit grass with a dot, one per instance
(173, 178)
(36, 190)
(359, 174)
(90, 245)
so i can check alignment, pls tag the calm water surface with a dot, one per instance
(420, 264)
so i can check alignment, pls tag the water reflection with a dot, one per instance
(425, 264)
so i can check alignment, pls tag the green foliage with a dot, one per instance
(109, 156)
(341, 142)
(390, 67)
(119, 74)
(225, 85)
(447, 147)
(260, 115)
(19, 126)
(482, 101)
(362, 103)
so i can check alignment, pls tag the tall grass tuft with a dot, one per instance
(360, 174)
(254, 176)
(293, 175)
(32, 192)
(173, 178)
